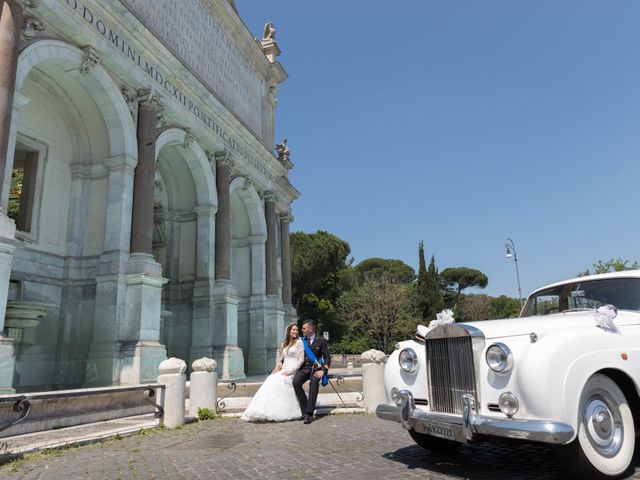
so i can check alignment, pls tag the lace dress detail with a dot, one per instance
(276, 401)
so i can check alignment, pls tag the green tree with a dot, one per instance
(460, 278)
(611, 265)
(395, 270)
(505, 307)
(377, 314)
(427, 292)
(472, 308)
(317, 262)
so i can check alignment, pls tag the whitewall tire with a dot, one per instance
(606, 434)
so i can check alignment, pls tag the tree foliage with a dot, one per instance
(395, 270)
(379, 310)
(611, 265)
(505, 307)
(461, 278)
(317, 260)
(427, 292)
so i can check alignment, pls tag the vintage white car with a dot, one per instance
(566, 372)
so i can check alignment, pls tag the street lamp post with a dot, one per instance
(511, 253)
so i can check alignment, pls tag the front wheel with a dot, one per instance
(605, 443)
(434, 444)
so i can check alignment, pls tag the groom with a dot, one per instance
(311, 371)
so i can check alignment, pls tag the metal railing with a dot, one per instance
(23, 406)
(221, 405)
(149, 395)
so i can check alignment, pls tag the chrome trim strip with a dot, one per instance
(544, 431)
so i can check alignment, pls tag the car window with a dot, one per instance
(622, 293)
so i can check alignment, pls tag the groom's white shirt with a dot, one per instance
(311, 339)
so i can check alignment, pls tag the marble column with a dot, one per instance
(285, 247)
(224, 162)
(229, 356)
(272, 244)
(144, 182)
(140, 351)
(11, 19)
(290, 314)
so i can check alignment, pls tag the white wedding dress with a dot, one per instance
(276, 401)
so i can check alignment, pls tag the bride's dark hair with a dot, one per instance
(288, 341)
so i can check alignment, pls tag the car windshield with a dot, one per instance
(622, 293)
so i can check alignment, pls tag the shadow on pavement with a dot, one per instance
(493, 460)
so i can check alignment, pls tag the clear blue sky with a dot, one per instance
(462, 123)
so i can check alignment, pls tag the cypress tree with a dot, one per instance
(429, 297)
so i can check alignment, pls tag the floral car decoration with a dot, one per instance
(566, 372)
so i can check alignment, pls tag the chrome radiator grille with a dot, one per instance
(451, 373)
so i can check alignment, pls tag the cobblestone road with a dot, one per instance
(342, 446)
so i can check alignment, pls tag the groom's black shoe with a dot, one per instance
(308, 419)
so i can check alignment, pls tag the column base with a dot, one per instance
(7, 365)
(139, 363)
(230, 363)
(229, 356)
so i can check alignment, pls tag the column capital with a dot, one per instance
(269, 196)
(224, 158)
(286, 217)
(148, 97)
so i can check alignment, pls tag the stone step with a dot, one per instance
(248, 388)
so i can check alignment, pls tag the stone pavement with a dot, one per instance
(346, 447)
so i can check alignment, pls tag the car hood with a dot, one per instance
(509, 327)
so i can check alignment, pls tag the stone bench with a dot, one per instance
(65, 408)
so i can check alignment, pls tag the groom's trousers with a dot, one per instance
(301, 377)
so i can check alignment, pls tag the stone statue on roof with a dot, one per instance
(269, 32)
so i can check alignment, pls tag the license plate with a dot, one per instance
(435, 429)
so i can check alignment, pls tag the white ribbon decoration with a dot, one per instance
(445, 317)
(604, 318)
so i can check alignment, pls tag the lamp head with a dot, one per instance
(508, 247)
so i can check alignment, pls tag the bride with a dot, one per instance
(276, 401)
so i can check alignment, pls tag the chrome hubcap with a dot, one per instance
(603, 424)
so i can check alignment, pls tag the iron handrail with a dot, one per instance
(220, 405)
(149, 395)
(23, 406)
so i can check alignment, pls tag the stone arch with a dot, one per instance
(252, 202)
(197, 163)
(188, 185)
(101, 87)
(249, 234)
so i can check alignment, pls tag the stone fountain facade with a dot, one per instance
(139, 168)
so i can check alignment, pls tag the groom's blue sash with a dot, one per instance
(314, 359)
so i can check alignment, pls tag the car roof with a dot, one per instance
(600, 276)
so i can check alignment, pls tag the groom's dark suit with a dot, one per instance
(321, 350)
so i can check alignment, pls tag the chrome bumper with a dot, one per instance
(464, 428)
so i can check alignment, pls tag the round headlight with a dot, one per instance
(499, 358)
(408, 360)
(508, 404)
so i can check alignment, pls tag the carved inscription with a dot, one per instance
(161, 79)
(198, 39)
